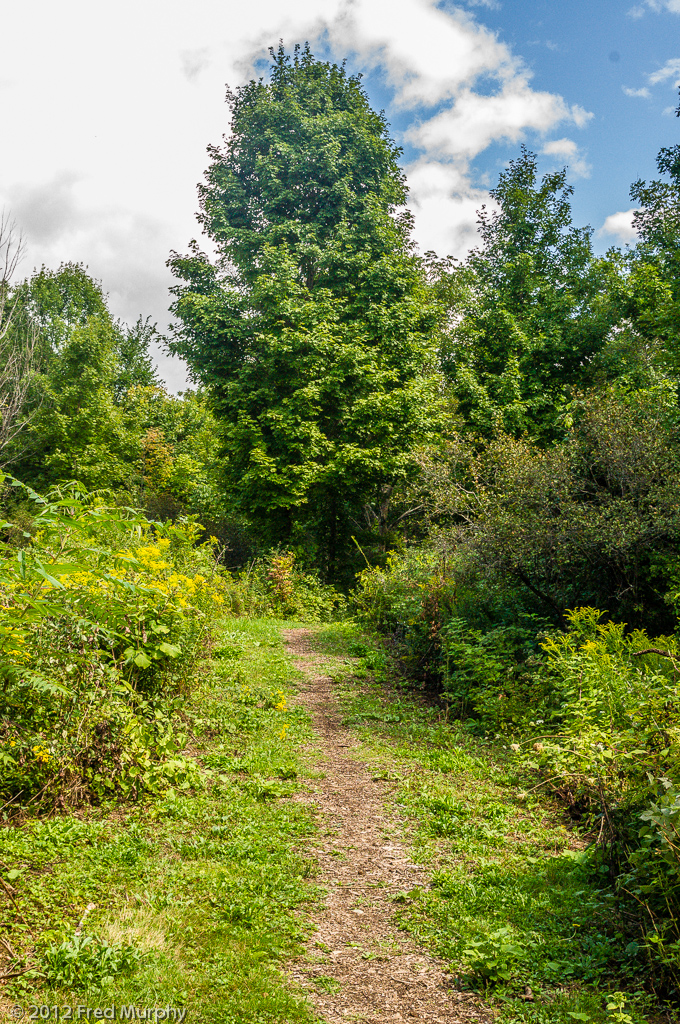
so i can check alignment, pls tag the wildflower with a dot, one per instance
(282, 734)
(516, 747)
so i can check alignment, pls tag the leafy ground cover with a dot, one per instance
(588, 711)
(513, 903)
(195, 894)
(197, 897)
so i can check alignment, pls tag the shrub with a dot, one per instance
(102, 617)
(591, 711)
(276, 585)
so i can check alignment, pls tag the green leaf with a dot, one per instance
(170, 649)
(142, 661)
(68, 568)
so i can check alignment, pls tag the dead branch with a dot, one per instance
(19, 343)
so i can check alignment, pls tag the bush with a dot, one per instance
(591, 711)
(453, 631)
(102, 617)
(276, 585)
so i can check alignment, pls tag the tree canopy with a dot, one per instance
(534, 309)
(312, 328)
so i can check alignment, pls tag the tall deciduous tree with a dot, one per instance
(311, 330)
(533, 307)
(655, 288)
(90, 362)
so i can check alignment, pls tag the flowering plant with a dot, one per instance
(102, 617)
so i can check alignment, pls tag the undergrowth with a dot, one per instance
(191, 897)
(103, 615)
(588, 712)
(519, 903)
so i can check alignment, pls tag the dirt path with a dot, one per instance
(359, 966)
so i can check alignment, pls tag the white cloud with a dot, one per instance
(567, 150)
(107, 115)
(194, 62)
(445, 207)
(673, 6)
(671, 69)
(474, 121)
(620, 225)
(428, 54)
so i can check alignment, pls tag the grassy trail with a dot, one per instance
(358, 964)
(206, 900)
(197, 895)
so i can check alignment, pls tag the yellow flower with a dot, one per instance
(282, 734)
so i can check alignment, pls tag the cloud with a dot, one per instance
(427, 54)
(106, 119)
(567, 150)
(671, 69)
(474, 121)
(673, 6)
(46, 210)
(620, 225)
(195, 61)
(436, 187)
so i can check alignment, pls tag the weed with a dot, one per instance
(87, 963)
(328, 985)
(199, 895)
(511, 901)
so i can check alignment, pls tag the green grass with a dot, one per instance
(197, 896)
(511, 902)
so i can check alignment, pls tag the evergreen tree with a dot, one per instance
(311, 329)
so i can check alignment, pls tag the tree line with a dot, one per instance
(484, 453)
(352, 395)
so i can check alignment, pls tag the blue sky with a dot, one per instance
(589, 51)
(620, 62)
(108, 110)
